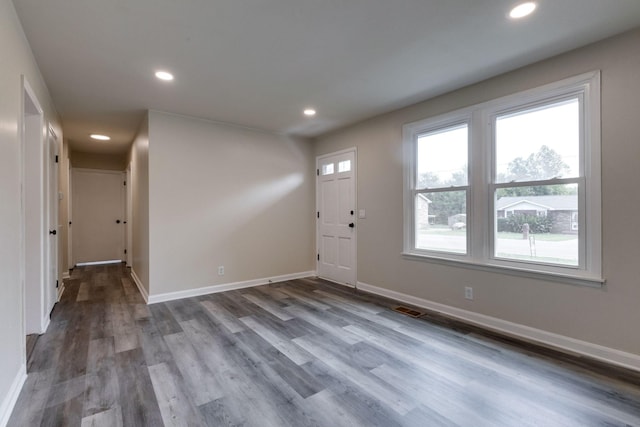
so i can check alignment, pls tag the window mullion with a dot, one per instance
(555, 181)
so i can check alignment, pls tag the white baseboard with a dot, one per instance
(138, 283)
(109, 261)
(169, 296)
(46, 320)
(66, 275)
(545, 338)
(11, 398)
(61, 290)
(337, 283)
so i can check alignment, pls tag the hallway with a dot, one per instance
(299, 353)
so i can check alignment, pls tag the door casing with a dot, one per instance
(344, 278)
(34, 214)
(105, 217)
(51, 272)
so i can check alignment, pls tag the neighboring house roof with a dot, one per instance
(552, 203)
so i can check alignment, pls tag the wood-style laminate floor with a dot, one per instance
(299, 353)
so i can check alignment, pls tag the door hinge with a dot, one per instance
(125, 183)
(318, 257)
(56, 158)
(318, 172)
(57, 284)
(318, 214)
(125, 251)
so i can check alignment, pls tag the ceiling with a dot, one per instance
(259, 63)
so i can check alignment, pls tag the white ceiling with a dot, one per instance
(258, 63)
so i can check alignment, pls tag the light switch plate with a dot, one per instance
(362, 213)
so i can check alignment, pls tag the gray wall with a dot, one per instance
(139, 161)
(607, 317)
(226, 195)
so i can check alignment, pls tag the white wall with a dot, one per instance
(607, 317)
(139, 160)
(226, 195)
(17, 60)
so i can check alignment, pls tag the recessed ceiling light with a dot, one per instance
(522, 10)
(164, 75)
(309, 112)
(100, 137)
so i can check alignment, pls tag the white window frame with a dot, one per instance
(481, 185)
(429, 126)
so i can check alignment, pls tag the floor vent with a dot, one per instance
(408, 311)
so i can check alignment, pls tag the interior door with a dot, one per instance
(98, 216)
(336, 236)
(51, 293)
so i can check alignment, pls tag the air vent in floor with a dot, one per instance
(408, 311)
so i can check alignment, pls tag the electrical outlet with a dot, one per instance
(221, 270)
(468, 292)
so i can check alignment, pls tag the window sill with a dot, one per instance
(593, 282)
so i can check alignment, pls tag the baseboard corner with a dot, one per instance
(139, 285)
(9, 401)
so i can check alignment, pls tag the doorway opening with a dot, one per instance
(36, 236)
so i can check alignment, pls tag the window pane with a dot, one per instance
(344, 166)
(442, 158)
(327, 169)
(540, 143)
(441, 221)
(538, 224)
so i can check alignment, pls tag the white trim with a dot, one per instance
(339, 283)
(61, 290)
(109, 261)
(170, 296)
(128, 201)
(46, 319)
(513, 270)
(66, 275)
(9, 402)
(69, 213)
(32, 163)
(138, 283)
(545, 338)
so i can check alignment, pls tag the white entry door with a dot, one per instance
(336, 217)
(51, 282)
(97, 216)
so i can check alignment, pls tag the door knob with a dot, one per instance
(351, 225)
(54, 232)
(117, 221)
